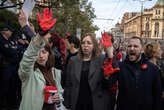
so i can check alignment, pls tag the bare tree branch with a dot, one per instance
(2, 3)
(4, 7)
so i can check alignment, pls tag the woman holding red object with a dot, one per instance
(36, 69)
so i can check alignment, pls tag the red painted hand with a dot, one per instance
(45, 21)
(108, 68)
(106, 40)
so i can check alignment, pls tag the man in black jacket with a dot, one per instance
(72, 45)
(139, 80)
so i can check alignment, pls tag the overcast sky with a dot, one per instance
(114, 9)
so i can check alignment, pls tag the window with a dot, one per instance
(157, 12)
(156, 33)
(147, 26)
(147, 19)
(147, 34)
(147, 30)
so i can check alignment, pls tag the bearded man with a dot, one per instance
(139, 82)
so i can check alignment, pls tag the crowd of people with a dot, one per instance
(86, 74)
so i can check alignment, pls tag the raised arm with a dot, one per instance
(108, 64)
(30, 56)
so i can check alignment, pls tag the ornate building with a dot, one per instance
(152, 23)
(117, 32)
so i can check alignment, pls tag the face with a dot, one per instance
(134, 50)
(43, 57)
(159, 52)
(87, 46)
(115, 45)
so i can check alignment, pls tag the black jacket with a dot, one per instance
(98, 84)
(139, 88)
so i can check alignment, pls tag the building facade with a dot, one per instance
(117, 32)
(152, 23)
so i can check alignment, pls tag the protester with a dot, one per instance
(139, 83)
(154, 54)
(58, 45)
(72, 44)
(36, 69)
(86, 85)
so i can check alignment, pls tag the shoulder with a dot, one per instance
(75, 58)
(2, 40)
(56, 72)
(99, 60)
(151, 65)
(102, 57)
(153, 68)
(122, 63)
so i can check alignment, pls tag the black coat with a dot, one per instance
(99, 91)
(139, 89)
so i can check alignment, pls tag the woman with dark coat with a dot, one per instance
(86, 84)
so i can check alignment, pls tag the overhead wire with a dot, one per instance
(117, 4)
(121, 9)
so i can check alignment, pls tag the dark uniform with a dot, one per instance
(8, 69)
(22, 47)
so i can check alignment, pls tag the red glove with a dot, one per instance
(108, 69)
(106, 40)
(45, 22)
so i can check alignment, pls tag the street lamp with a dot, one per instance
(141, 20)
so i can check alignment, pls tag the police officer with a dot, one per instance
(8, 67)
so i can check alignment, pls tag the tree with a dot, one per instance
(9, 18)
(15, 1)
(72, 14)
(77, 14)
(10, 4)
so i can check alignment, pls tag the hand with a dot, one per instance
(45, 22)
(108, 69)
(106, 40)
(21, 41)
(22, 19)
(26, 41)
(55, 98)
